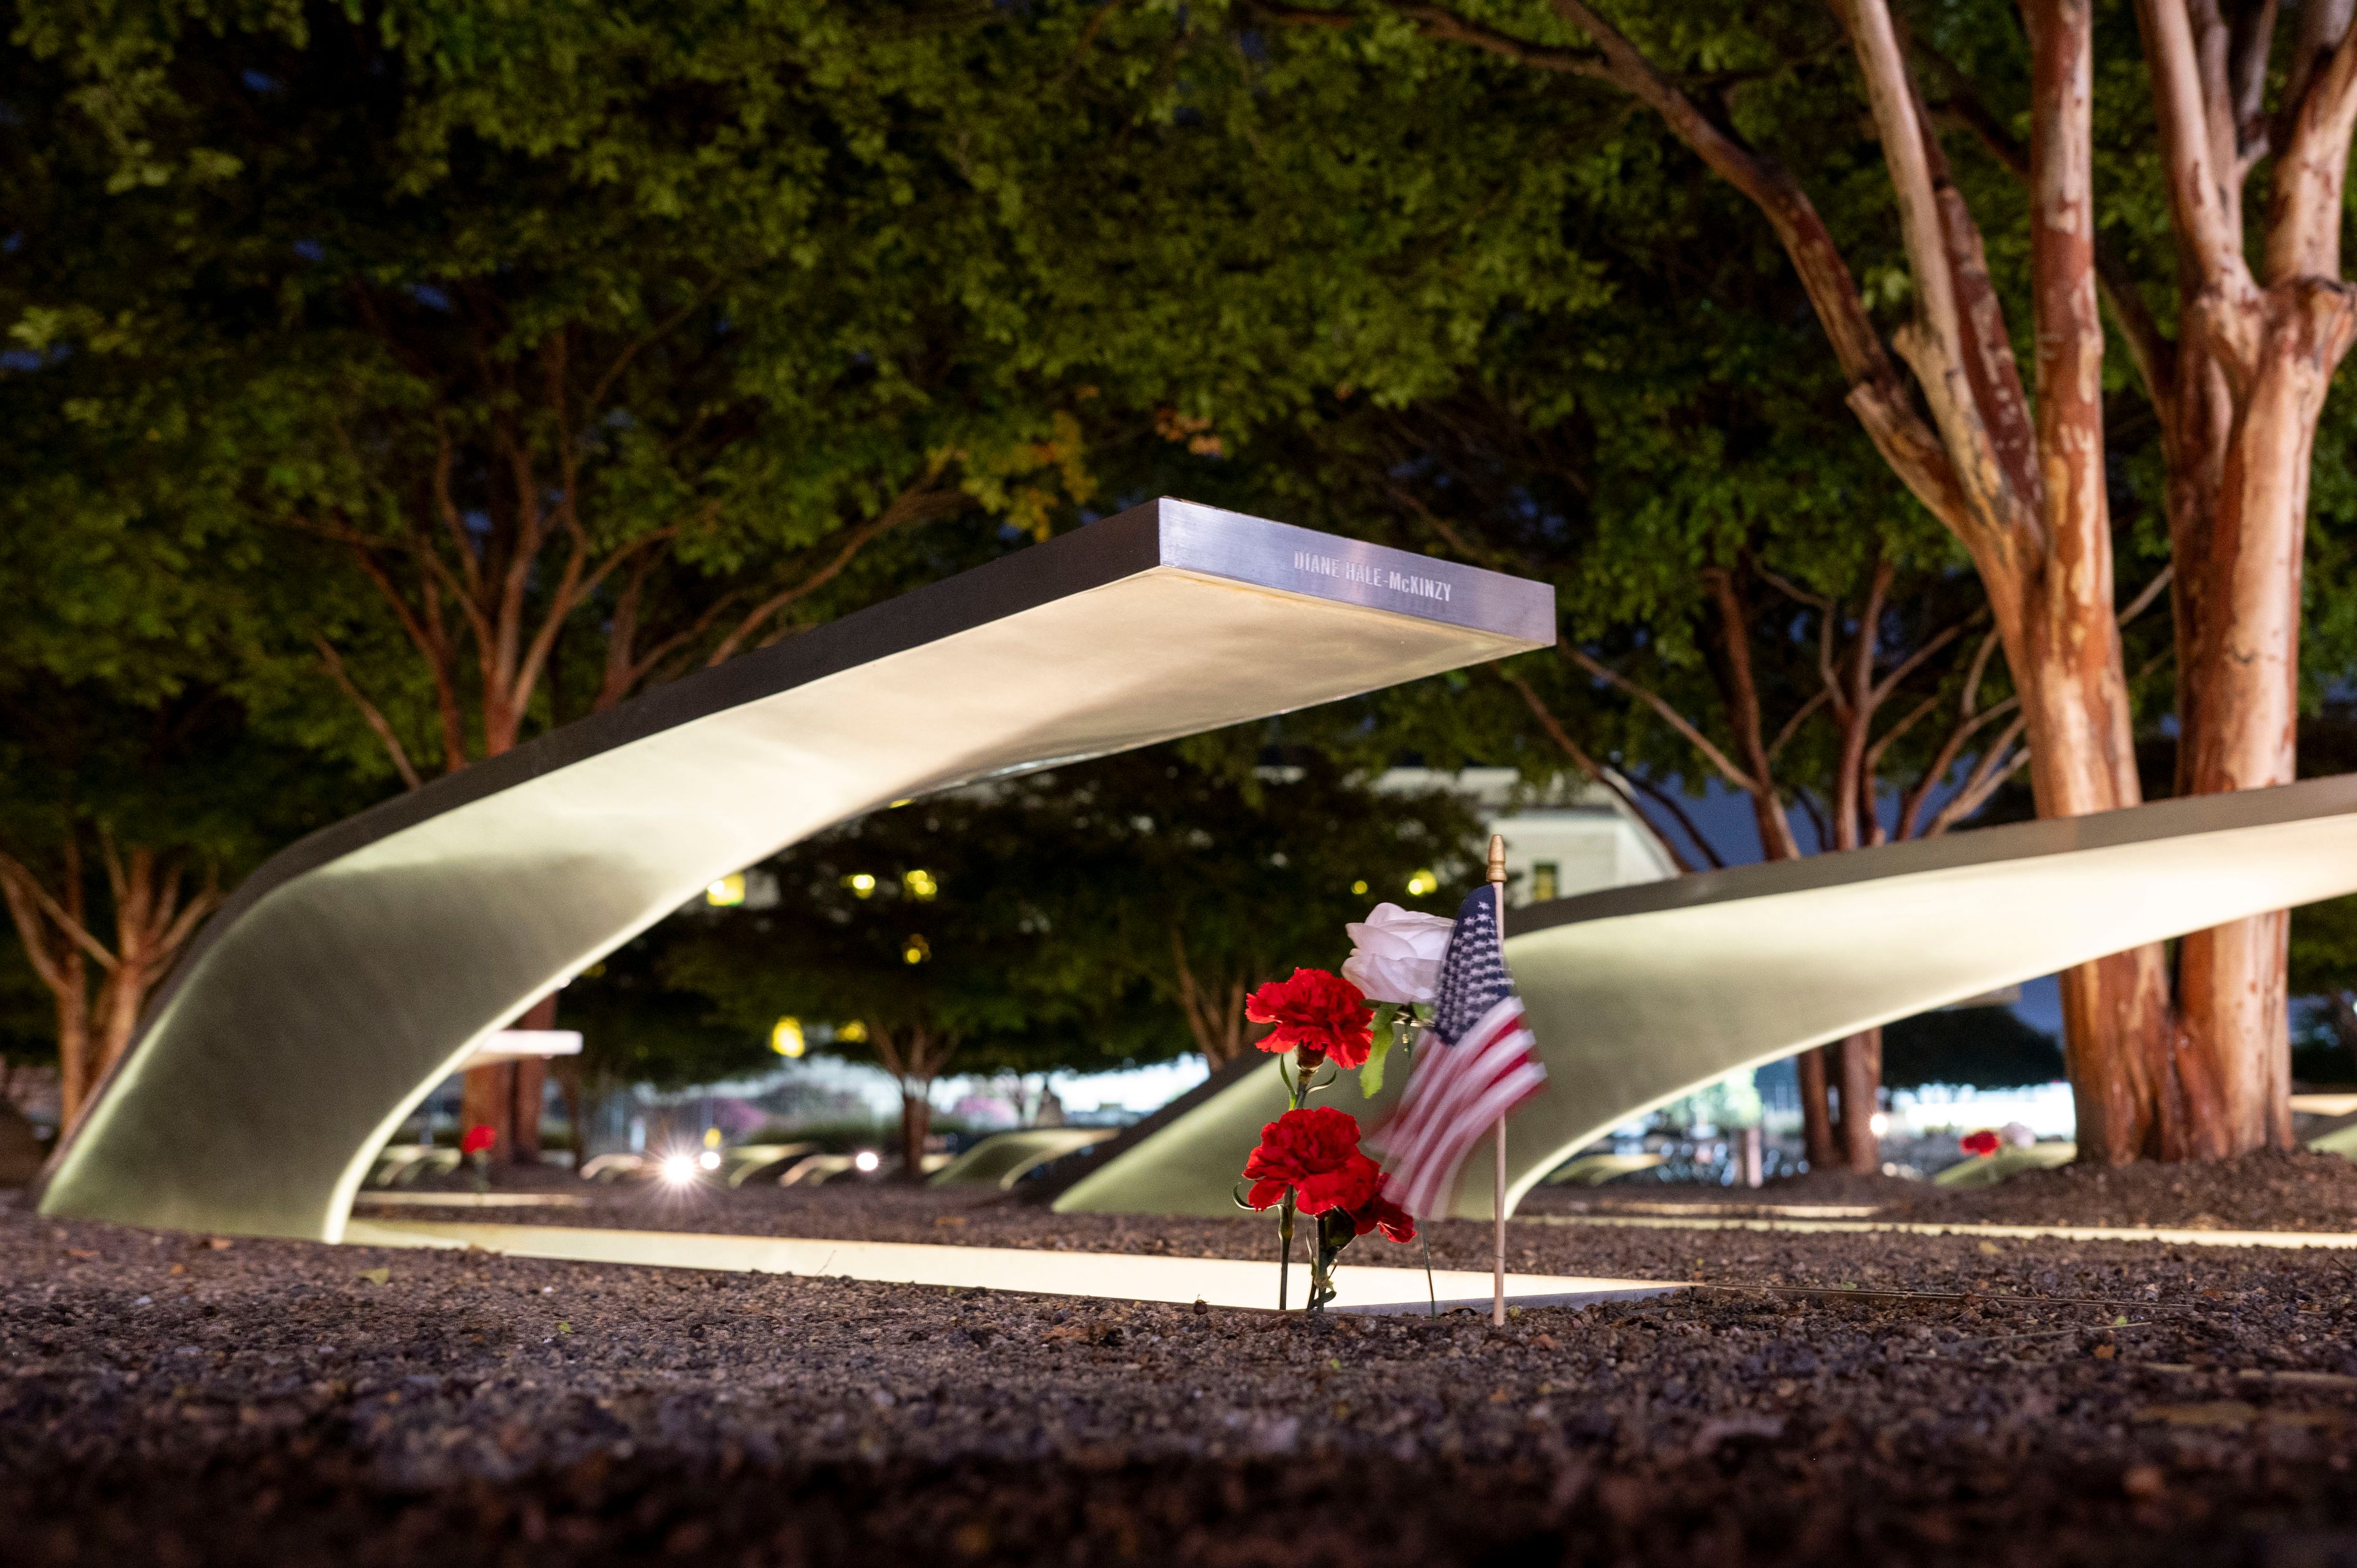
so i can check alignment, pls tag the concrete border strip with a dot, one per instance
(1110, 1276)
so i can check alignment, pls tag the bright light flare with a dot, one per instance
(679, 1170)
(867, 1161)
(1879, 1123)
(709, 1159)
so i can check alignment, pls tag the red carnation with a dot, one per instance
(477, 1140)
(1983, 1143)
(1381, 1213)
(1315, 1151)
(1317, 1013)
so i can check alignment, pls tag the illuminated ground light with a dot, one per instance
(709, 1159)
(867, 1161)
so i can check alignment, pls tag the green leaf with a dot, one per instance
(1370, 1076)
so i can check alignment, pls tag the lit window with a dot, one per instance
(728, 891)
(785, 1038)
(1422, 883)
(861, 883)
(1547, 880)
(921, 885)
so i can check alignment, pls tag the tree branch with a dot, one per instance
(1998, 764)
(909, 507)
(1877, 396)
(1686, 728)
(2149, 349)
(1676, 808)
(2149, 592)
(369, 713)
(1601, 775)
(1742, 695)
(2204, 203)
(1437, 23)
(20, 882)
(1956, 344)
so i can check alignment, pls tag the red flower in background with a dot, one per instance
(1317, 1013)
(1983, 1143)
(1314, 1152)
(1380, 1213)
(477, 1140)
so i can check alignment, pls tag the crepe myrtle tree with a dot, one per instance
(534, 360)
(2234, 320)
(122, 824)
(1726, 618)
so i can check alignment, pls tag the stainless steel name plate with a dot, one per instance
(1277, 556)
(353, 971)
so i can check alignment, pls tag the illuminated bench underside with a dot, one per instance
(354, 971)
(1640, 995)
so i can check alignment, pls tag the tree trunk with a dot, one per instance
(1860, 1059)
(916, 1126)
(76, 1056)
(2238, 505)
(566, 1071)
(506, 1096)
(1214, 1013)
(2119, 1039)
(1817, 1145)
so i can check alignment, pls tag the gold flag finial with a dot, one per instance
(1497, 857)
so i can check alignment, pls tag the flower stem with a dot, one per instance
(1284, 1257)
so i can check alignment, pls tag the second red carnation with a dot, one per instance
(1315, 1151)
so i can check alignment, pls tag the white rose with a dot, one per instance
(1395, 954)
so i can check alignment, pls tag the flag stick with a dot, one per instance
(1497, 875)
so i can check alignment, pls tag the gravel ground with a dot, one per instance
(2299, 1191)
(181, 1400)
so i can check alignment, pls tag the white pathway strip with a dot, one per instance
(1113, 1276)
(1921, 1228)
(402, 1198)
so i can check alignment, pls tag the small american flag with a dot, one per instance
(1479, 1063)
